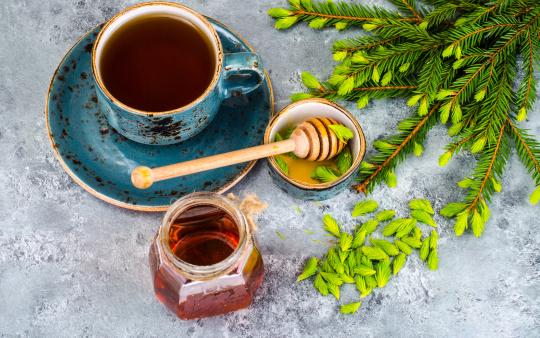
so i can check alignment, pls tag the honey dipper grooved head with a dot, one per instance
(315, 141)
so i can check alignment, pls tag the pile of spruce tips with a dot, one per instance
(370, 265)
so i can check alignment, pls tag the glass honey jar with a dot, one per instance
(204, 260)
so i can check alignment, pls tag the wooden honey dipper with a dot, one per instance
(313, 140)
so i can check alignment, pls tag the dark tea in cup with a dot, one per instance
(157, 63)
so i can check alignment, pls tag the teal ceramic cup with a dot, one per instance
(293, 115)
(234, 74)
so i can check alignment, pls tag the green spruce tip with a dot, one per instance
(345, 241)
(344, 160)
(346, 278)
(320, 285)
(433, 261)
(401, 226)
(362, 287)
(283, 166)
(332, 278)
(398, 263)
(382, 276)
(369, 226)
(364, 207)
(310, 81)
(389, 248)
(343, 133)
(363, 270)
(424, 249)
(334, 290)
(350, 308)
(412, 242)
(424, 217)
(359, 238)
(309, 269)
(324, 174)
(456, 63)
(421, 204)
(403, 247)
(375, 253)
(331, 225)
(535, 196)
(385, 215)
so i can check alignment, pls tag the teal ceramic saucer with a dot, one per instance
(100, 160)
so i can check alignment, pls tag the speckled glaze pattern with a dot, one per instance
(181, 125)
(160, 129)
(101, 159)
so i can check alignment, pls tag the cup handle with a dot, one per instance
(242, 73)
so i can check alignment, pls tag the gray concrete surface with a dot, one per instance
(72, 265)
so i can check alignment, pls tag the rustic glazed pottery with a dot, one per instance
(302, 111)
(235, 74)
(101, 160)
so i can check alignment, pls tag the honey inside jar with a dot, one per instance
(203, 235)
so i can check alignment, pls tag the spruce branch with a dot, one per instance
(491, 164)
(456, 146)
(497, 103)
(383, 88)
(361, 94)
(528, 150)
(481, 13)
(456, 62)
(342, 15)
(377, 168)
(361, 43)
(446, 12)
(481, 185)
(430, 76)
(470, 36)
(408, 6)
(530, 50)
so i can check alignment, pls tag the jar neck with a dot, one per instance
(199, 272)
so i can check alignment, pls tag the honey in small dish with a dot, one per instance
(313, 172)
(301, 169)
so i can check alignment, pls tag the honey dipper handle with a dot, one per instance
(143, 177)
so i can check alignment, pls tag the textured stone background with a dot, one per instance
(71, 265)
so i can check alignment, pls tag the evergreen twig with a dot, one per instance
(456, 61)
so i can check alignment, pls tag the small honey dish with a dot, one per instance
(298, 112)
